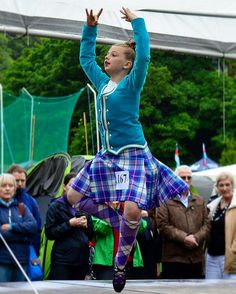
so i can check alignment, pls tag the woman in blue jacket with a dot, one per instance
(16, 227)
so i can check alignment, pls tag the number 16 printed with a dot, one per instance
(122, 180)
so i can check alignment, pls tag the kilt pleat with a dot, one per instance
(150, 181)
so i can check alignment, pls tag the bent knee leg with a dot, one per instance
(74, 196)
(131, 211)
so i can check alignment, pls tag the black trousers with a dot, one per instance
(68, 272)
(178, 270)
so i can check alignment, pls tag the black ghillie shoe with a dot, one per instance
(119, 279)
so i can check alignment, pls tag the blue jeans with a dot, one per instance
(215, 268)
(11, 273)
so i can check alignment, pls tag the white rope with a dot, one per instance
(19, 265)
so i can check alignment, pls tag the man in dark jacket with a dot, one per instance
(23, 197)
(184, 226)
(71, 231)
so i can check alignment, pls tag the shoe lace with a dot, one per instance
(119, 273)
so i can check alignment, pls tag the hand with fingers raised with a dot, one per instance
(92, 19)
(128, 15)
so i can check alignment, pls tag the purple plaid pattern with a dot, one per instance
(102, 211)
(150, 181)
(169, 185)
(128, 232)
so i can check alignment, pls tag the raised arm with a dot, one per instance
(128, 15)
(92, 19)
(138, 73)
(87, 50)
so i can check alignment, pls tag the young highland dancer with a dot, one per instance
(124, 169)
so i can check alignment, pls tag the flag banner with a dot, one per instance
(177, 160)
(204, 155)
(204, 163)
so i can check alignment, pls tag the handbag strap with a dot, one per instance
(21, 208)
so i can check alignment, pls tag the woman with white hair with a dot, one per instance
(16, 226)
(221, 257)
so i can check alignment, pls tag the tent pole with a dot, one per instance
(91, 120)
(31, 122)
(86, 133)
(5, 135)
(191, 13)
(33, 133)
(96, 114)
(2, 136)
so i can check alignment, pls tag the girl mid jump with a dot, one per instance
(124, 169)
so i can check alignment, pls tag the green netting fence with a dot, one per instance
(35, 127)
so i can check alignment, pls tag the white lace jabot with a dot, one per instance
(110, 87)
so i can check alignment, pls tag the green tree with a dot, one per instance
(50, 68)
(182, 99)
(5, 55)
(228, 155)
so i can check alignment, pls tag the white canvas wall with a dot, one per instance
(198, 27)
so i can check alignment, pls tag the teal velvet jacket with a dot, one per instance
(118, 111)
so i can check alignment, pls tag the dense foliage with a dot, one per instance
(182, 102)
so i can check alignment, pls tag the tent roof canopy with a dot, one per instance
(205, 27)
(204, 165)
(213, 173)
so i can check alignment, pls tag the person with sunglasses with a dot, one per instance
(184, 227)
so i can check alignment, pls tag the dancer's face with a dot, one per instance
(116, 61)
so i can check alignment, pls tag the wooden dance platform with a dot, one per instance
(132, 287)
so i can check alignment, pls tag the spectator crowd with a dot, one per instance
(185, 238)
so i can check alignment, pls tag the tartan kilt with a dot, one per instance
(150, 181)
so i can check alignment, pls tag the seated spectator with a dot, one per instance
(184, 226)
(71, 232)
(22, 196)
(17, 225)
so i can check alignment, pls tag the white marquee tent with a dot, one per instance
(204, 180)
(214, 172)
(205, 27)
